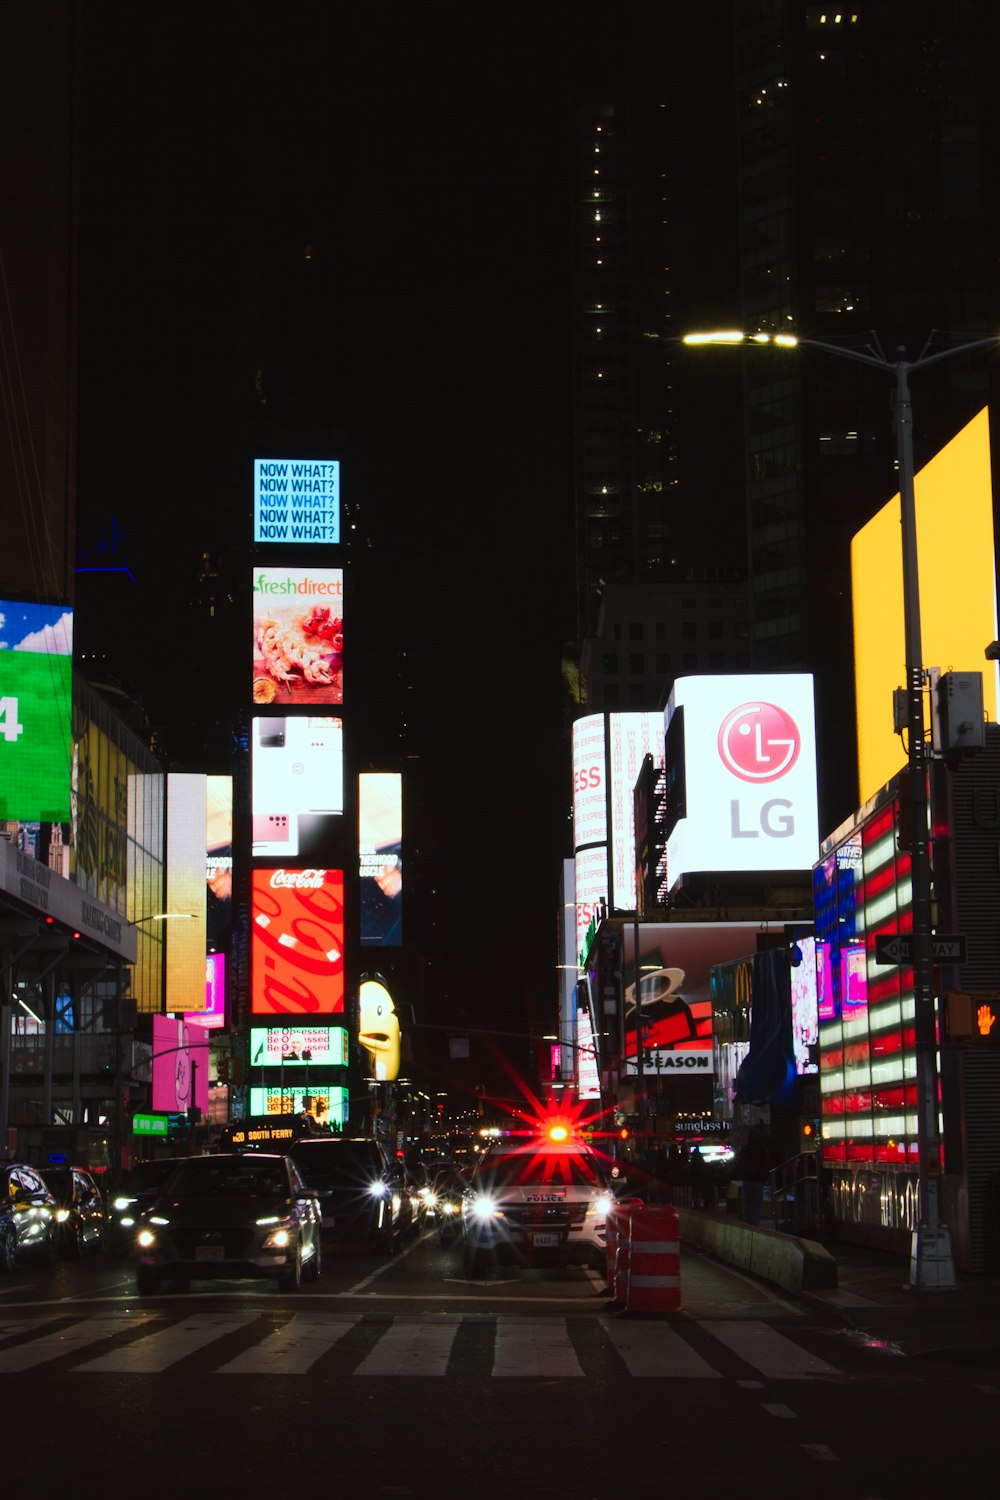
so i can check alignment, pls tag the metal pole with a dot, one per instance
(931, 1262)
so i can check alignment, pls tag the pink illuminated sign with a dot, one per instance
(180, 1064)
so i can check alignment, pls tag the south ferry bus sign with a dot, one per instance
(897, 948)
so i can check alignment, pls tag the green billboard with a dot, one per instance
(36, 687)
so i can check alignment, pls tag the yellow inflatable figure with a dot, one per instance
(378, 1029)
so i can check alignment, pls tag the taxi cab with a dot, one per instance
(538, 1201)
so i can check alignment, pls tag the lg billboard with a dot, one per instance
(749, 775)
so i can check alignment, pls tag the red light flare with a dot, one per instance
(541, 1115)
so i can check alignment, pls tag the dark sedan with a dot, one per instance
(231, 1215)
(80, 1210)
(361, 1190)
(27, 1217)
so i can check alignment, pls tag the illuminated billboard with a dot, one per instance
(957, 584)
(297, 942)
(298, 636)
(297, 777)
(631, 737)
(588, 1082)
(180, 1065)
(185, 928)
(590, 798)
(214, 1014)
(326, 1104)
(219, 867)
(378, 1029)
(298, 1046)
(36, 685)
(380, 858)
(296, 500)
(749, 751)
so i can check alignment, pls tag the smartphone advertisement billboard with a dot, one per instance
(296, 500)
(297, 942)
(298, 636)
(36, 746)
(297, 779)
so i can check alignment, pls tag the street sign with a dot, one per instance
(149, 1124)
(897, 948)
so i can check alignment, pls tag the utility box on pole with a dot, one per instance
(960, 711)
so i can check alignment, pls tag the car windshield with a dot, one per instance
(338, 1163)
(148, 1174)
(242, 1177)
(60, 1184)
(526, 1168)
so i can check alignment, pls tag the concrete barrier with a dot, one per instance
(797, 1265)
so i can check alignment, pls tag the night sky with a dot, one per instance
(425, 157)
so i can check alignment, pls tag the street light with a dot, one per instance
(931, 1261)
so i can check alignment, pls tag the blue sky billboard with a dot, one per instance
(36, 690)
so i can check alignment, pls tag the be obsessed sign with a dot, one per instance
(297, 958)
(750, 775)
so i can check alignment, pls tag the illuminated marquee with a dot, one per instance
(36, 662)
(297, 946)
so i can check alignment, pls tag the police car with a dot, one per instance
(538, 1201)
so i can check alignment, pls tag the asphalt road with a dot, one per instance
(405, 1378)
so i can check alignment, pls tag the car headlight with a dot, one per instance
(279, 1238)
(447, 1207)
(121, 1204)
(603, 1204)
(379, 1189)
(484, 1207)
(145, 1239)
(62, 1214)
(429, 1196)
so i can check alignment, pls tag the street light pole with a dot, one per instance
(931, 1260)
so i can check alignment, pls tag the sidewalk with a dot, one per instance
(874, 1298)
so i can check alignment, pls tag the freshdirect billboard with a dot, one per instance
(298, 635)
(296, 500)
(957, 584)
(36, 746)
(749, 773)
(297, 947)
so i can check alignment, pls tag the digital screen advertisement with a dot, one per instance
(186, 930)
(214, 1014)
(590, 797)
(297, 942)
(631, 738)
(380, 851)
(327, 1105)
(36, 746)
(179, 1065)
(219, 866)
(805, 1007)
(298, 1046)
(750, 775)
(298, 636)
(296, 500)
(297, 798)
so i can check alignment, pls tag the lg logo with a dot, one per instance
(759, 743)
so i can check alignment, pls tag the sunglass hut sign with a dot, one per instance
(749, 749)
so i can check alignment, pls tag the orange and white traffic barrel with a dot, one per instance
(615, 1227)
(653, 1271)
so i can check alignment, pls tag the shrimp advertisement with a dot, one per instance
(298, 635)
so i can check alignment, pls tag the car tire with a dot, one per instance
(8, 1251)
(147, 1282)
(291, 1280)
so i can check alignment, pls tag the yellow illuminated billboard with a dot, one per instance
(957, 580)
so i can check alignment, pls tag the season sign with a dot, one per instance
(296, 500)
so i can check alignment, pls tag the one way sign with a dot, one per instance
(897, 948)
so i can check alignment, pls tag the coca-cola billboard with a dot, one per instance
(297, 945)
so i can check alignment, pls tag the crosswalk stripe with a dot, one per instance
(160, 1350)
(769, 1351)
(292, 1349)
(411, 1348)
(64, 1341)
(656, 1349)
(527, 1346)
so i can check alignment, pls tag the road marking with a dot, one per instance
(160, 1350)
(65, 1341)
(769, 1352)
(530, 1346)
(411, 1348)
(822, 1452)
(775, 1409)
(292, 1349)
(654, 1349)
